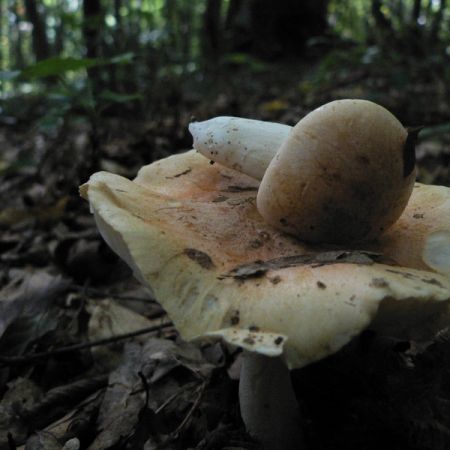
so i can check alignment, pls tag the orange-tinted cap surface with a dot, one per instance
(191, 231)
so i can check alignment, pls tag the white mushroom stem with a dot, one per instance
(268, 405)
(245, 145)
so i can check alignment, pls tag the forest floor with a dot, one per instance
(88, 358)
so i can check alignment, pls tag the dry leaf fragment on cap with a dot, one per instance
(297, 301)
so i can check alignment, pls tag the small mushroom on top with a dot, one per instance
(192, 232)
(344, 173)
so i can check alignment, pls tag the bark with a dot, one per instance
(41, 47)
(437, 22)
(17, 58)
(170, 9)
(211, 36)
(415, 40)
(92, 27)
(92, 32)
(382, 22)
(118, 32)
(234, 7)
(59, 38)
(118, 17)
(2, 48)
(279, 29)
(115, 72)
(417, 8)
(236, 26)
(186, 17)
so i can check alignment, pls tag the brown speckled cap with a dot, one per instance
(190, 230)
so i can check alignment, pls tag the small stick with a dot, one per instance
(194, 406)
(98, 293)
(10, 360)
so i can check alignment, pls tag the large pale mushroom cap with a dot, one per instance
(191, 231)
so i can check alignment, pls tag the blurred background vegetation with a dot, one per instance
(118, 81)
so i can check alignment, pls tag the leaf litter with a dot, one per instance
(90, 360)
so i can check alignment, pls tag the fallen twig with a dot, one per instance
(99, 293)
(63, 397)
(195, 405)
(9, 360)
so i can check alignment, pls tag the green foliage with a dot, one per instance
(72, 94)
(58, 66)
(349, 19)
(116, 97)
(357, 21)
(143, 50)
(245, 60)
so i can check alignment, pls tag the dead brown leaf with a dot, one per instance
(27, 293)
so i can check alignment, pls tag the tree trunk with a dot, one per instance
(237, 26)
(92, 25)
(382, 22)
(186, 19)
(118, 32)
(92, 32)
(234, 7)
(275, 30)
(16, 52)
(211, 30)
(3, 49)
(437, 22)
(41, 47)
(170, 13)
(416, 10)
(414, 31)
(384, 33)
(59, 33)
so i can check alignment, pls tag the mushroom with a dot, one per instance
(191, 232)
(344, 173)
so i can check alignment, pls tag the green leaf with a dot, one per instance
(58, 66)
(244, 59)
(117, 97)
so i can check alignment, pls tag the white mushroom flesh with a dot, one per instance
(244, 145)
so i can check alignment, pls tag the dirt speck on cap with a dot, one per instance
(379, 283)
